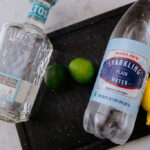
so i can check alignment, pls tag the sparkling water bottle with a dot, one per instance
(117, 93)
(25, 52)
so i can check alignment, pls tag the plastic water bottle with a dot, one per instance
(117, 93)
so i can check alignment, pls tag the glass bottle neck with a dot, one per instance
(39, 13)
(34, 22)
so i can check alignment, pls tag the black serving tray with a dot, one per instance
(56, 120)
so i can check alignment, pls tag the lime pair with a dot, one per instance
(81, 70)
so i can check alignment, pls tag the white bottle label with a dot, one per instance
(123, 72)
(9, 86)
(13, 88)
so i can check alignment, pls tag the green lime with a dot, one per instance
(81, 70)
(56, 76)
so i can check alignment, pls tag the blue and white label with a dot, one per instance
(123, 72)
(9, 87)
(39, 11)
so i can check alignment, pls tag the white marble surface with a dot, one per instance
(65, 13)
(139, 144)
(9, 139)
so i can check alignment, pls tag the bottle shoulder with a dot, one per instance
(134, 24)
(28, 28)
(23, 32)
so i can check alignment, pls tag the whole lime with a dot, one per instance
(81, 70)
(56, 76)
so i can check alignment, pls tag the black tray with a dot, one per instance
(56, 121)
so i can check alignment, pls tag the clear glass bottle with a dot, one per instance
(25, 52)
(115, 100)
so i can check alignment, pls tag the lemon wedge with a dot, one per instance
(146, 101)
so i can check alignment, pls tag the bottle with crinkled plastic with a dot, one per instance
(115, 99)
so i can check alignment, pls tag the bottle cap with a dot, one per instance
(41, 10)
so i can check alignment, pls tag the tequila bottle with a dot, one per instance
(25, 52)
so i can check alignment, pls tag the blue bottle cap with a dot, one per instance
(40, 10)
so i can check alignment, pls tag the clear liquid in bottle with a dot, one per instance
(25, 52)
(114, 103)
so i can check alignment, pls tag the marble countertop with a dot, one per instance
(65, 13)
